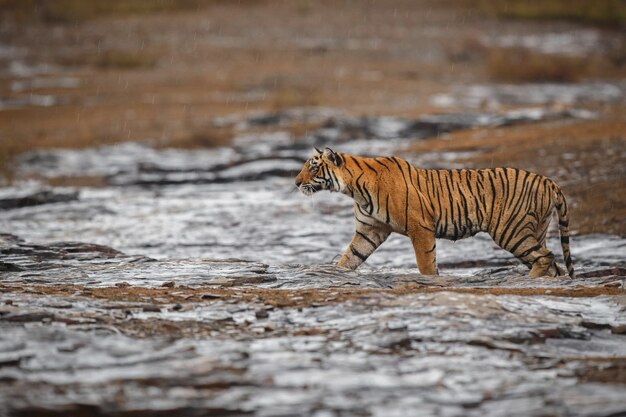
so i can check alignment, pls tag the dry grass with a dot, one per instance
(127, 298)
(293, 96)
(524, 65)
(289, 298)
(111, 59)
(208, 137)
(71, 11)
(467, 50)
(84, 181)
(604, 12)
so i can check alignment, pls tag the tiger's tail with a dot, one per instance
(561, 208)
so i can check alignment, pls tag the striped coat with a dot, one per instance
(390, 195)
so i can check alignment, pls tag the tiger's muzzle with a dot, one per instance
(309, 189)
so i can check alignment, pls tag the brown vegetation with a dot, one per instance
(596, 11)
(111, 59)
(207, 137)
(162, 78)
(520, 64)
(525, 65)
(71, 11)
(288, 298)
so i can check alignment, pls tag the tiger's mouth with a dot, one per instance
(309, 189)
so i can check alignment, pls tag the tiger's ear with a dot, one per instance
(317, 150)
(333, 157)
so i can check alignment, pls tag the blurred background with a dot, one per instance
(176, 74)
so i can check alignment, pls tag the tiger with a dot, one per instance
(390, 195)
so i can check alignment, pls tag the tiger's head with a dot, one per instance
(321, 172)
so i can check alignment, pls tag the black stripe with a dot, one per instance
(406, 202)
(358, 254)
(370, 202)
(364, 193)
(516, 171)
(526, 252)
(370, 241)
(451, 202)
(433, 248)
(418, 195)
(425, 188)
(358, 186)
(432, 193)
(515, 212)
(362, 222)
(563, 223)
(510, 230)
(334, 179)
(370, 167)
(505, 204)
(442, 209)
(358, 207)
(356, 162)
(524, 202)
(548, 255)
(493, 199)
(376, 160)
(565, 239)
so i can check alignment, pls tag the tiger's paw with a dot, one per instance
(551, 271)
(347, 263)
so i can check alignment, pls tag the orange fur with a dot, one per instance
(390, 195)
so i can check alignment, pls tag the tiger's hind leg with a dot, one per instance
(534, 255)
(541, 235)
(424, 245)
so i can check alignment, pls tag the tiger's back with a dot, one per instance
(468, 201)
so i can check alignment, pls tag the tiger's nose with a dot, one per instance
(298, 182)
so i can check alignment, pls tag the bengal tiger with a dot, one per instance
(390, 195)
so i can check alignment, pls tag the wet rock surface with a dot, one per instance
(87, 329)
(375, 353)
(35, 199)
(259, 156)
(93, 265)
(202, 283)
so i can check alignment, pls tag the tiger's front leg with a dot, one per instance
(364, 242)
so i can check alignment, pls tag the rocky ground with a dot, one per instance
(88, 330)
(156, 258)
(206, 304)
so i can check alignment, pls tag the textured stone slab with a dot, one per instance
(462, 354)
